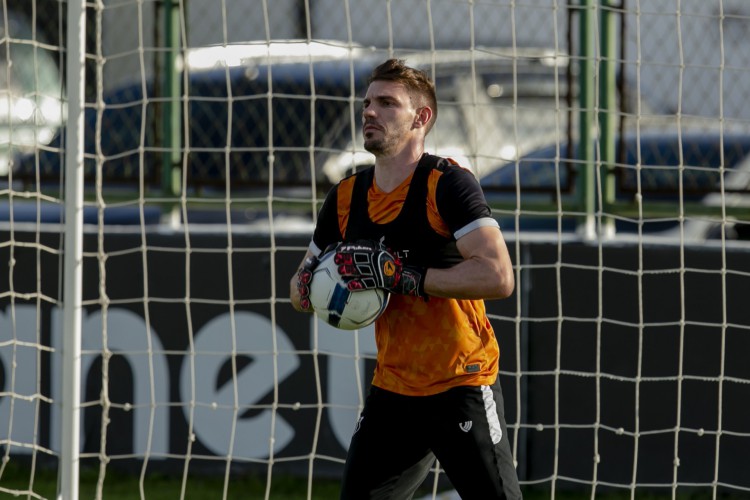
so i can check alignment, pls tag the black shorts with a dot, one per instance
(397, 439)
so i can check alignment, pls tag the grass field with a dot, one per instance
(16, 482)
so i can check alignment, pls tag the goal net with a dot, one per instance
(612, 140)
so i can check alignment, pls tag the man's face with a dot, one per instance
(387, 118)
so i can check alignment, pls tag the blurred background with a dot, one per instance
(611, 138)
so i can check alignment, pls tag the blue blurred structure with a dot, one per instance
(663, 167)
(54, 213)
(302, 117)
(236, 118)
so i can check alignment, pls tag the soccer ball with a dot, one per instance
(339, 307)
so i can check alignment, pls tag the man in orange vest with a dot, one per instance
(418, 226)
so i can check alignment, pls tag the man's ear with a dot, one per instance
(424, 115)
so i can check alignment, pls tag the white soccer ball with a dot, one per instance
(336, 305)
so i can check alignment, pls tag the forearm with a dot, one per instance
(474, 278)
(485, 273)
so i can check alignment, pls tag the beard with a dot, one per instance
(386, 142)
(378, 146)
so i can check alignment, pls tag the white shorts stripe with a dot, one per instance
(490, 409)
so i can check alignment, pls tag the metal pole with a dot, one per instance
(607, 110)
(73, 253)
(172, 109)
(586, 179)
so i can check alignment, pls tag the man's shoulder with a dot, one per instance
(448, 172)
(445, 164)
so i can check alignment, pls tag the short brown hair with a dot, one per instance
(417, 83)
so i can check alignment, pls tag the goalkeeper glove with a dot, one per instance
(366, 264)
(304, 277)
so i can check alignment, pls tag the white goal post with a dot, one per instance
(161, 167)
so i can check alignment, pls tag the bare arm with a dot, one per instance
(293, 291)
(485, 273)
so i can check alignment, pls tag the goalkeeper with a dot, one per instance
(418, 226)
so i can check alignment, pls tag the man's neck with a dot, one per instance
(390, 171)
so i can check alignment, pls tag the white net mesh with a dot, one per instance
(214, 129)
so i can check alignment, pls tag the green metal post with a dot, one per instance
(172, 109)
(607, 109)
(586, 187)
